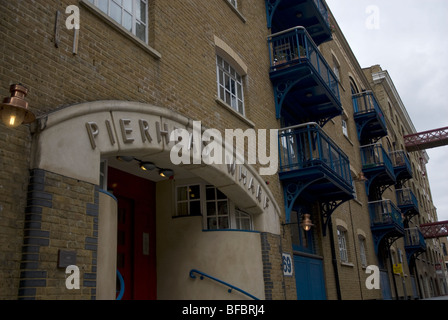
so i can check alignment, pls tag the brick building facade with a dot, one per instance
(91, 180)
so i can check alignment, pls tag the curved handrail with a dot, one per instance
(120, 278)
(231, 287)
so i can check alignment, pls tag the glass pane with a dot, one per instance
(195, 208)
(221, 92)
(182, 194)
(210, 193)
(141, 10)
(220, 194)
(182, 209)
(212, 224)
(103, 5)
(211, 208)
(245, 224)
(222, 207)
(127, 4)
(127, 21)
(194, 192)
(141, 31)
(115, 12)
(223, 223)
(240, 107)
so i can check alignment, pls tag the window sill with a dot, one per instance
(347, 264)
(237, 12)
(92, 8)
(234, 112)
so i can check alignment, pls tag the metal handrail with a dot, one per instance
(231, 287)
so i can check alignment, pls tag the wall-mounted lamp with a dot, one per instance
(14, 110)
(306, 222)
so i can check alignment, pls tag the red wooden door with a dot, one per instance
(125, 243)
(136, 242)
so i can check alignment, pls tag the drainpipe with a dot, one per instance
(334, 259)
(393, 274)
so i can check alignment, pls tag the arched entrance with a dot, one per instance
(76, 141)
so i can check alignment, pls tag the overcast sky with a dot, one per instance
(408, 38)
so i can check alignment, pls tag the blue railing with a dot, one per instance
(414, 238)
(295, 46)
(384, 212)
(323, 11)
(400, 159)
(193, 273)
(373, 156)
(365, 102)
(405, 197)
(307, 145)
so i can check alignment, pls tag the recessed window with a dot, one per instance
(219, 213)
(131, 14)
(230, 85)
(362, 251)
(342, 240)
(189, 200)
(344, 128)
(217, 209)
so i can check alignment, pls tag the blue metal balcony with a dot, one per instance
(305, 87)
(402, 165)
(377, 166)
(307, 154)
(407, 202)
(311, 14)
(386, 221)
(414, 243)
(369, 117)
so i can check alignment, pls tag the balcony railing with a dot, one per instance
(414, 238)
(368, 115)
(401, 163)
(311, 14)
(293, 47)
(323, 10)
(385, 213)
(406, 199)
(308, 146)
(374, 156)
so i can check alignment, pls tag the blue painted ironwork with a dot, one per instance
(369, 117)
(414, 243)
(386, 221)
(377, 166)
(302, 79)
(122, 287)
(407, 202)
(201, 274)
(311, 14)
(311, 161)
(402, 165)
